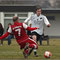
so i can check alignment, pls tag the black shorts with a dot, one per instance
(35, 33)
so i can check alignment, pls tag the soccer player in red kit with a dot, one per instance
(18, 29)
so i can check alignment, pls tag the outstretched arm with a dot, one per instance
(46, 22)
(29, 28)
(28, 19)
(5, 35)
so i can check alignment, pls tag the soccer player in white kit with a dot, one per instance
(38, 20)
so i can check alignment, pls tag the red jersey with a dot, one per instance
(18, 30)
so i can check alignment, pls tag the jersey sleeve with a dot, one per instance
(25, 26)
(29, 28)
(9, 30)
(5, 35)
(30, 22)
(28, 19)
(46, 20)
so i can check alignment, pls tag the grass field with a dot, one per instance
(13, 52)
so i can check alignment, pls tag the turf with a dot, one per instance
(13, 52)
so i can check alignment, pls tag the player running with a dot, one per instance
(21, 37)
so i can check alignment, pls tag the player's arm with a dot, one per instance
(30, 23)
(29, 28)
(6, 34)
(28, 19)
(46, 21)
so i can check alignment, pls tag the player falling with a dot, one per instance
(18, 29)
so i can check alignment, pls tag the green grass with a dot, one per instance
(13, 52)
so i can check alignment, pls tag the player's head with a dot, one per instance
(0, 25)
(15, 18)
(38, 10)
(9, 24)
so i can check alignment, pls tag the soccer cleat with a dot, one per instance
(36, 55)
(25, 53)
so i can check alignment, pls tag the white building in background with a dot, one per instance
(22, 9)
(6, 17)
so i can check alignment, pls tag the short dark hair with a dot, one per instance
(37, 7)
(9, 24)
(15, 18)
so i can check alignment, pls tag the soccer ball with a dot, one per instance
(47, 54)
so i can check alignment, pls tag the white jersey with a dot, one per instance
(38, 21)
(29, 23)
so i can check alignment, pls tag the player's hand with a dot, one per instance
(48, 25)
(37, 27)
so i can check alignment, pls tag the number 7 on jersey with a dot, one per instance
(18, 30)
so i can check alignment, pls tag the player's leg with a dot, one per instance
(25, 53)
(34, 37)
(30, 44)
(24, 46)
(33, 46)
(29, 47)
(30, 51)
(40, 40)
